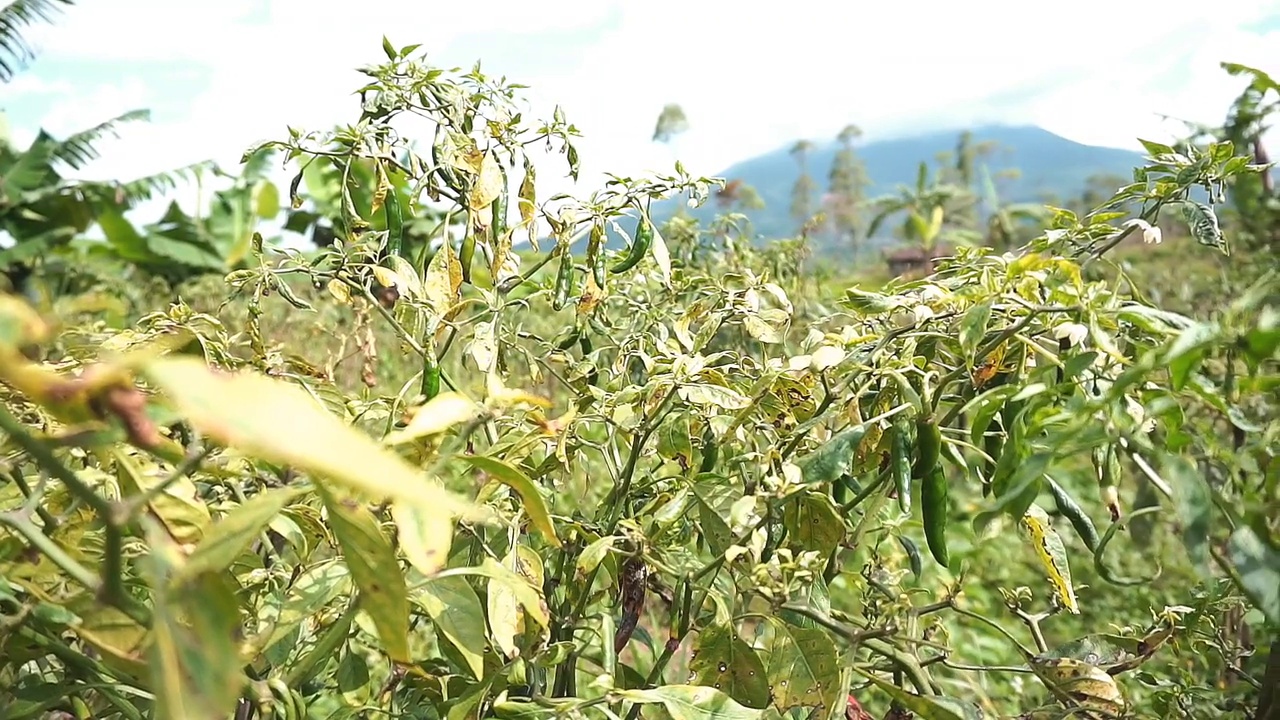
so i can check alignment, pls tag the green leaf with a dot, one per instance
(373, 566)
(534, 504)
(193, 658)
(425, 537)
(725, 662)
(870, 303)
(930, 707)
(1203, 223)
(693, 702)
(230, 536)
(824, 465)
(593, 554)
(1258, 566)
(267, 202)
(456, 611)
(973, 327)
(1195, 507)
(803, 668)
(279, 422)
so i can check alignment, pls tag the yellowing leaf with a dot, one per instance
(488, 184)
(372, 562)
(1052, 554)
(184, 515)
(458, 616)
(534, 504)
(442, 282)
(705, 394)
(339, 291)
(278, 422)
(439, 414)
(661, 256)
(425, 537)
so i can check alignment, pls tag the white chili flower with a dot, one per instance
(1075, 333)
(1151, 234)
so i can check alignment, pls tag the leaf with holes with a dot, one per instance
(726, 663)
(803, 669)
(813, 523)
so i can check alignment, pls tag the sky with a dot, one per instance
(219, 76)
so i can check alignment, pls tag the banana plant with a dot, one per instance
(180, 246)
(926, 207)
(1004, 220)
(42, 211)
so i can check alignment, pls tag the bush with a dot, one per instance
(688, 479)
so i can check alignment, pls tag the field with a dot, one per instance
(448, 465)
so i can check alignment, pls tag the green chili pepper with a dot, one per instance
(913, 555)
(900, 465)
(564, 279)
(498, 220)
(935, 505)
(595, 258)
(567, 338)
(395, 223)
(1076, 514)
(430, 375)
(710, 450)
(639, 246)
(928, 447)
(467, 253)
(584, 343)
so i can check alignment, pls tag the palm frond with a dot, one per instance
(138, 190)
(18, 14)
(78, 150)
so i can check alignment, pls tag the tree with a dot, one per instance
(671, 122)
(16, 15)
(928, 210)
(803, 191)
(847, 183)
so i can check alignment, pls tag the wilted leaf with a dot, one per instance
(425, 537)
(718, 395)
(693, 702)
(535, 506)
(439, 414)
(488, 184)
(280, 423)
(725, 662)
(1052, 554)
(373, 566)
(813, 523)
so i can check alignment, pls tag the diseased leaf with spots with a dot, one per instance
(803, 670)
(1051, 552)
(723, 661)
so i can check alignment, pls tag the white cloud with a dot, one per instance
(751, 78)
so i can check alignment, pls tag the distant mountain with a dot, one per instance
(1050, 165)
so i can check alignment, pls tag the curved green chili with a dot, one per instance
(564, 279)
(1072, 511)
(639, 246)
(467, 253)
(935, 505)
(595, 258)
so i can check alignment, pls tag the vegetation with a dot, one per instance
(444, 465)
